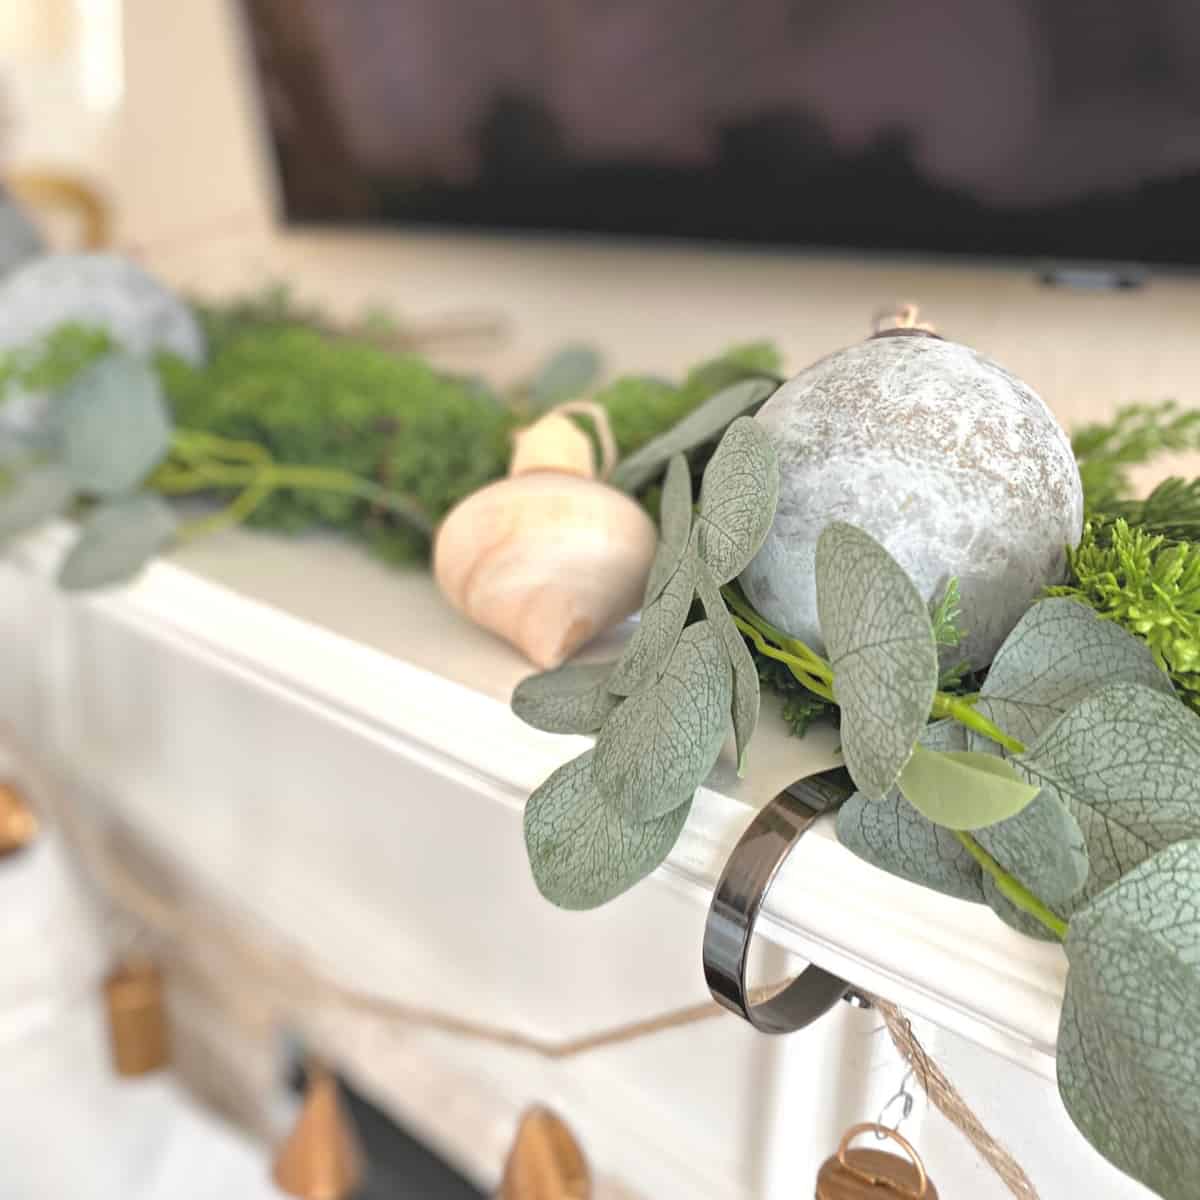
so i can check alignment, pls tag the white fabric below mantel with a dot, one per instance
(69, 1128)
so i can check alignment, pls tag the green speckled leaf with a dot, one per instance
(701, 425)
(583, 851)
(675, 519)
(659, 746)
(571, 699)
(116, 540)
(1059, 652)
(961, 789)
(1125, 762)
(880, 642)
(565, 375)
(1129, 1038)
(657, 634)
(1043, 848)
(114, 423)
(29, 497)
(892, 835)
(738, 496)
(746, 689)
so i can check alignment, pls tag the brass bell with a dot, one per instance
(321, 1159)
(545, 1162)
(867, 1174)
(137, 1018)
(18, 825)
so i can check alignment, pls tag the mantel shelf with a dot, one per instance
(379, 649)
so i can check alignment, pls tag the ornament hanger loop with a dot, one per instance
(904, 1098)
(877, 1180)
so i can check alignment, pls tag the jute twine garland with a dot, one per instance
(265, 982)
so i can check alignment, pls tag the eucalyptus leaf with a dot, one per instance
(880, 642)
(703, 424)
(583, 850)
(1042, 847)
(738, 496)
(115, 540)
(962, 789)
(114, 424)
(1125, 762)
(659, 746)
(565, 375)
(657, 634)
(570, 699)
(746, 688)
(892, 835)
(1058, 653)
(1129, 1037)
(32, 495)
(675, 520)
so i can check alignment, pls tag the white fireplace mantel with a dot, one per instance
(324, 746)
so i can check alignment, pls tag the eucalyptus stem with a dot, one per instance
(811, 661)
(208, 462)
(960, 709)
(1012, 889)
(797, 666)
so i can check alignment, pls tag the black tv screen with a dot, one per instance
(1061, 129)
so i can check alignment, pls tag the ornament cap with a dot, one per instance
(18, 825)
(321, 1159)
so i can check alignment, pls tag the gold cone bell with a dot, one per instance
(137, 1018)
(321, 1158)
(545, 1162)
(18, 825)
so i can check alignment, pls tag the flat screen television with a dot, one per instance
(1059, 129)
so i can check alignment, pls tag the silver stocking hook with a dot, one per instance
(741, 892)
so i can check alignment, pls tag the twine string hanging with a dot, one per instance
(273, 981)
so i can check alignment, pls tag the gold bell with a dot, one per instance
(321, 1158)
(137, 1018)
(863, 1174)
(18, 825)
(545, 1162)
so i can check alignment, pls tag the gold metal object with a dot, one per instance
(863, 1174)
(902, 317)
(18, 825)
(545, 1162)
(321, 1159)
(53, 190)
(137, 1018)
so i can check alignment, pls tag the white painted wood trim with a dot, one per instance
(949, 961)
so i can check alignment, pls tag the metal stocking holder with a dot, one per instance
(741, 892)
